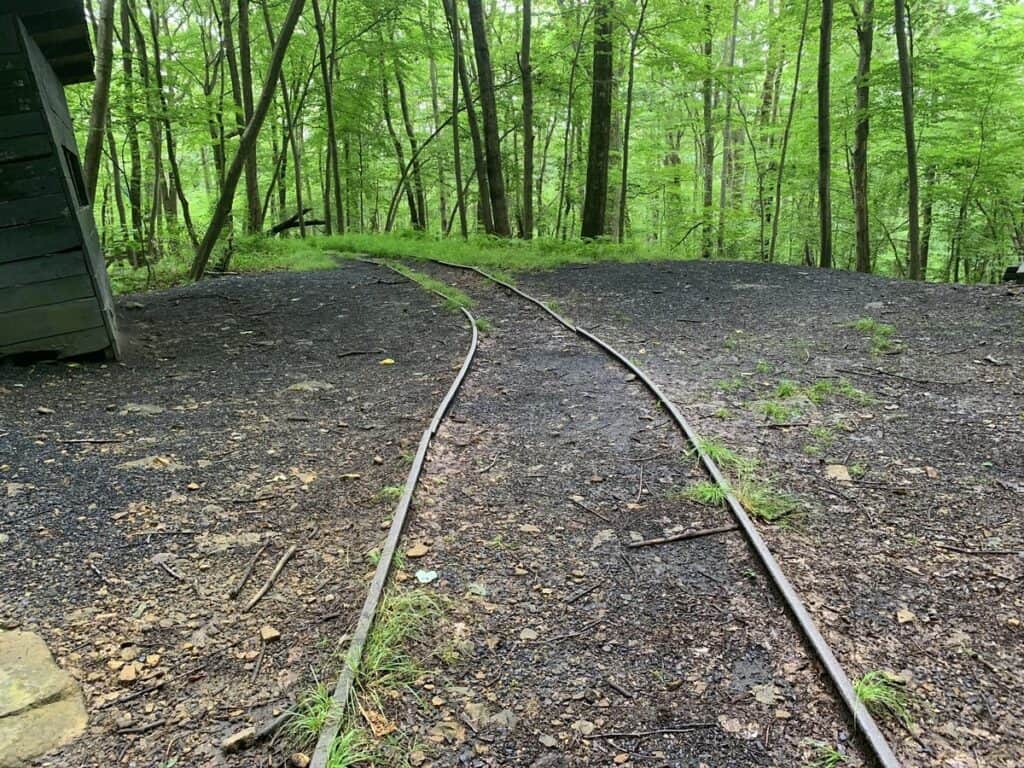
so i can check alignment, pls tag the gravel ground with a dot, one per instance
(909, 549)
(248, 413)
(562, 645)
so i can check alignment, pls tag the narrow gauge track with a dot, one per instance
(765, 640)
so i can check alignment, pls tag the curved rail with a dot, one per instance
(345, 684)
(862, 719)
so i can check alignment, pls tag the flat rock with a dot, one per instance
(41, 707)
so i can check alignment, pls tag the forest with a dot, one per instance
(882, 138)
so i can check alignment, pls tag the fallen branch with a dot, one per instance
(592, 511)
(682, 536)
(273, 577)
(880, 372)
(251, 735)
(79, 440)
(248, 572)
(965, 551)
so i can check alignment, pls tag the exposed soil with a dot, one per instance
(914, 564)
(261, 414)
(559, 636)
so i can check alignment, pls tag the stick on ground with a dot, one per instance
(248, 572)
(682, 536)
(273, 577)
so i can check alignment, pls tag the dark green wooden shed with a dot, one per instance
(55, 298)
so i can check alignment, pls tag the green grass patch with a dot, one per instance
(787, 389)
(706, 492)
(762, 501)
(879, 334)
(483, 324)
(779, 413)
(724, 456)
(826, 756)
(453, 298)
(885, 696)
(495, 253)
(314, 708)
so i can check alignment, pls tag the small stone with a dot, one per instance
(549, 741)
(419, 549)
(43, 410)
(240, 740)
(378, 460)
(129, 674)
(269, 634)
(298, 760)
(905, 616)
(528, 528)
(152, 659)
(528, 634)
(584, 727)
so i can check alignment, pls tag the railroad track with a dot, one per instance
(870, 736)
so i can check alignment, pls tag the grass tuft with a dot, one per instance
(879, 334)
(454, 298)
(826, 756)
(706, 492)
(311, 714)
(351, 747)
(885, 696)
(762, 501)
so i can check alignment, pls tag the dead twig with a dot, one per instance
(683, 728)
(683, 536)
(891, 375)
(994, 552)
(273, 577)
(591, 510)
(171, 572)
(99, 440)
(259, 662)
(581, 593)
(618, 688)
(248, 572)
(489, 467)
(584, 628)
(136, 729)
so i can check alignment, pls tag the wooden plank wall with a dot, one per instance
(54, 295)
(48, 292)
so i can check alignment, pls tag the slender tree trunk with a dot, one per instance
(172, 157)
(634, 41)
(248, 142)
(131, 130)
(442, 182)
(907, 99)
(563, 184)
(825, 138)
(865, 34)
(595, 197)
(479, 155)
(926, 224)
(333, 171)
(526, 70)
(708, 148)
(777, 200)
(489, 109)
(410, 195)
(727, 133)
(460, 196)
(417, 173)
(254, 208)
(100, 96)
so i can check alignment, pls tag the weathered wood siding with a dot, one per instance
(54, 292)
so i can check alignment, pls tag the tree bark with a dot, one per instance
(417, 172)
(825, 138)
(100, 96)
(907, 99)
(526, 70)
(134, 150)
(865, 34)
(777, 201)
(489, 109)
(595, 197)
(254, 222)
(479, 156)
(708, 146)
(247, 143)
(727, 133)
(460, 196)
(333, 171)
(634, 40)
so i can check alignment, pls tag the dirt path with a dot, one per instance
(912, 563)
(560, 636)
(249, 412)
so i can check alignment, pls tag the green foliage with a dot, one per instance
(826, 756)
(779, 413)
(706, 492)
(762, 501)
(786, 389)
(885, 696)
(879, 334)
(314, 708)
(483, 324)
(388, 663)
(724, 456)
(390, 492)
(351, 747)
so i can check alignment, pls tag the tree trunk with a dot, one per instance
(563, 183)
(100, 97)
(727, 168)
(865, 34)
(708, 147)
(907, 99)
(460, 197)
(442, 182)
(417, 173)
(926, 224)
(525, 68)
(414, 214)
(595, 198)
(489, 108)
(634, 40)
(134, 150)
(777, 200)
(333, 171)
(254, 208)
(247, 143)
(479, 156)
(825, 138)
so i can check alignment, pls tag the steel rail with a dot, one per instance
(862, 719)
(346, 682)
